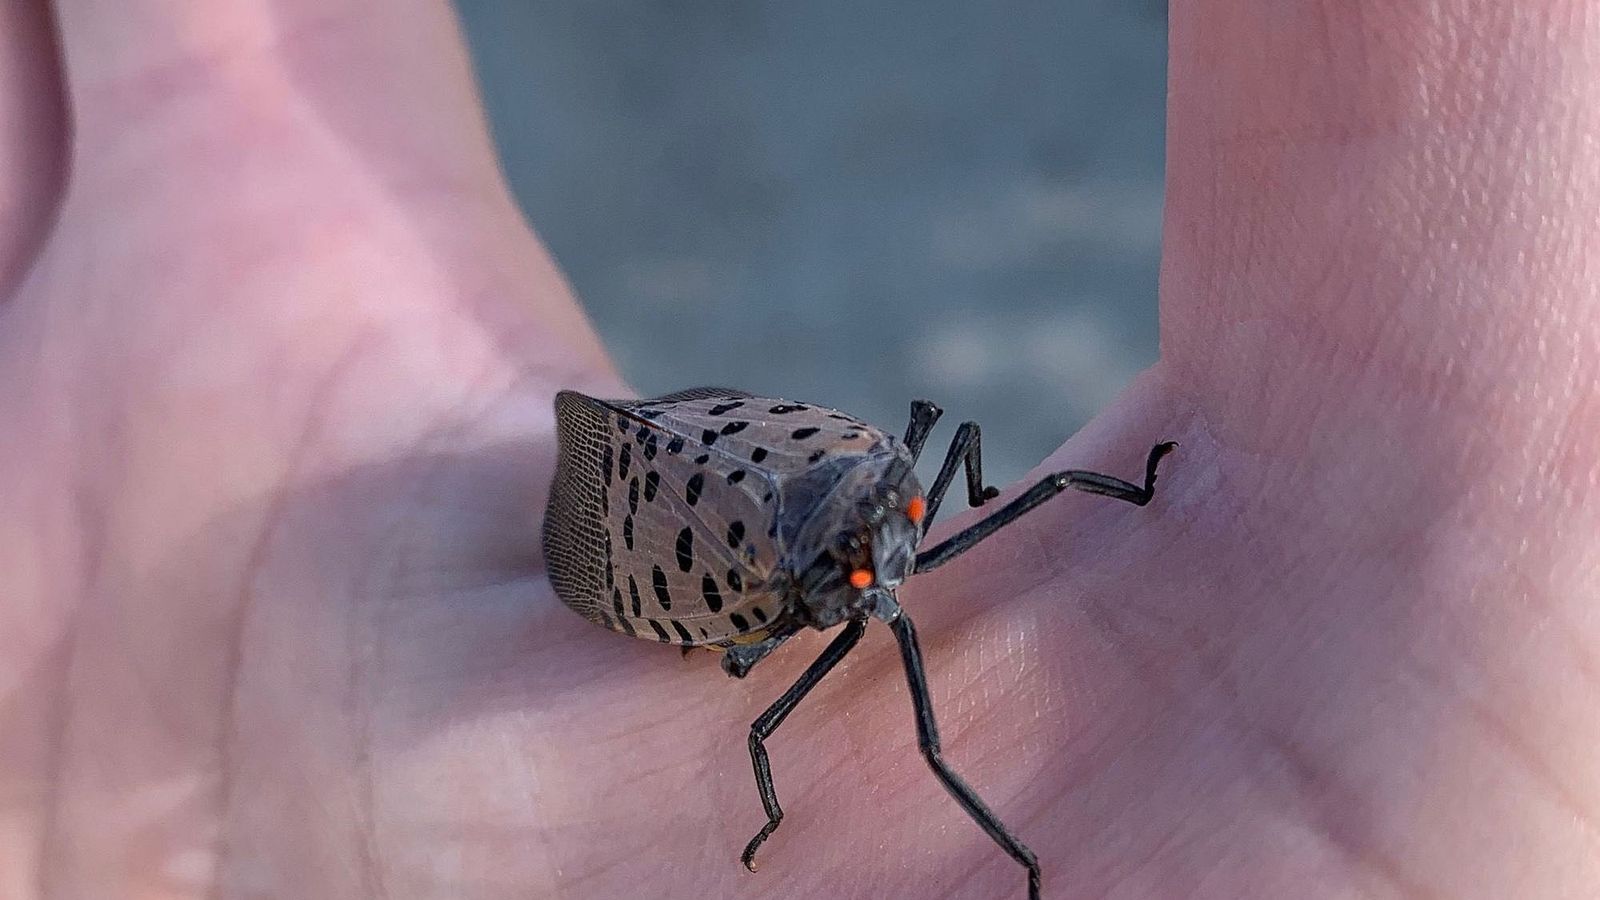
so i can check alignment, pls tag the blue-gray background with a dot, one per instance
(849, 203)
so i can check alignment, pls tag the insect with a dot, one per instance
(713, 518)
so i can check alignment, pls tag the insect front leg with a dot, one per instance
(739, 659)
(1051, 485)
(965, 448)
(924, 415)
(763, 727)
(928, 742)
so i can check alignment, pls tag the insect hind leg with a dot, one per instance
(763, 727)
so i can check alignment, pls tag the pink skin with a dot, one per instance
(276, 357)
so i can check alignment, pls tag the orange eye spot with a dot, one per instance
(861, 579)
(916, 509)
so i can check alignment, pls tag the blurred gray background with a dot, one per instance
(849, 203)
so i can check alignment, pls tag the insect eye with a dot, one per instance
(861, 579)
(916, 509)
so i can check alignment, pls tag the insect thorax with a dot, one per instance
(848, 515)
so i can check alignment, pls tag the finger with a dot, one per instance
(1380, 201)
(31, 133)
(385, 78)
(1374, 293)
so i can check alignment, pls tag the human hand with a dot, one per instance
(276, 359)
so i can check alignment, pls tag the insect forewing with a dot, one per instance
(654, 530)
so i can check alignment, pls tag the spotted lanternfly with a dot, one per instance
(712, 518)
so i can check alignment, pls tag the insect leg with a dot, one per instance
(762, 728)
(924, 415)
(928, 742)
(966, 447)
(1092, 482)
(738, 660)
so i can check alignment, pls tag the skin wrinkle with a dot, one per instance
(1313, 785)
(49, 828)
(1316, 789)
(88, 497)
(312, 429)
(454, 422)
(1307, 776)
(1500, 732)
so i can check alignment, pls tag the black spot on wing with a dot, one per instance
(709, 592)
(685, 549)
(691, 491)
(658, 579)
(735, 534)
(652, 483)
(798, 434)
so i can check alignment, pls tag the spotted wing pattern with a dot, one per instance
(653, 533)
(664, 518)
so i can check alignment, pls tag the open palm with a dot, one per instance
(276, 362)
